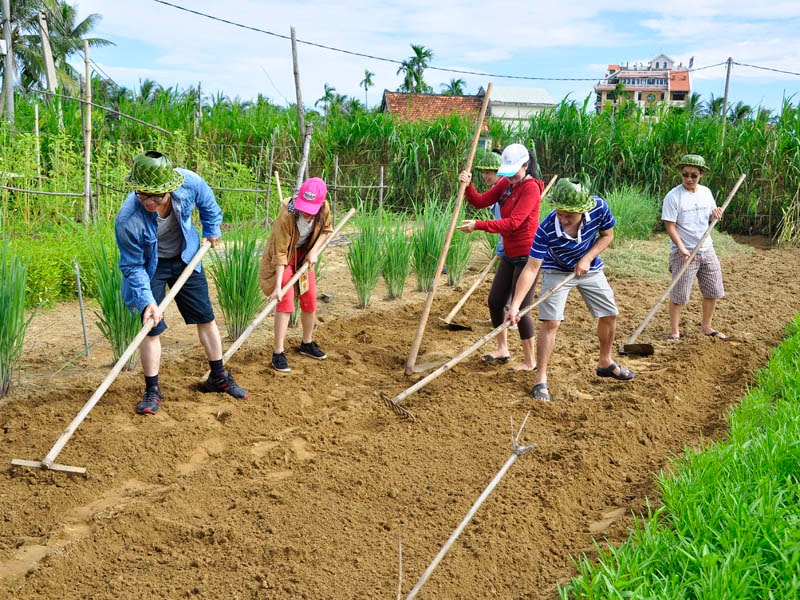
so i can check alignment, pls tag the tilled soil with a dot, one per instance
(312, 488)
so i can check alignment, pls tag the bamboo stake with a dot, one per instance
(80, 304)
(273, 303)
(49, 461)
(486, 270)
(394, 403)
(517, 452)
(412, 357)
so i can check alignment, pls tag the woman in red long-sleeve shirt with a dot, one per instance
(519, 194)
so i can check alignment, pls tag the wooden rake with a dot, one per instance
(394, 403)
(48, 462)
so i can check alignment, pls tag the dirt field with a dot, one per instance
(305, 489)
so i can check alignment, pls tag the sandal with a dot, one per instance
(718, 335)
(495, 360)
(624, 374)
(672, 337)
(540, 392)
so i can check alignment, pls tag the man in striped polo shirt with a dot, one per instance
(570, 240)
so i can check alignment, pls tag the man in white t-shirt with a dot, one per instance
(686, 213)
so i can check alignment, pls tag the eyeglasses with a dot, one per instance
(690, 175)
(157, 198)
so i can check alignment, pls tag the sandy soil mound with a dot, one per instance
(304, 489)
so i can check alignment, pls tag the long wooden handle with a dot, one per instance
(685, 266)
(273, 303)
(472, 288)
(412, 357)
(486, 270)
(457, 359)
(48, 460)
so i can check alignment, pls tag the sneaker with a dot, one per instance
(150, 402)
(312, 350)
(224, 384)
(279, 362)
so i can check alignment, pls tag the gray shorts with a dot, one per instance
(593, 286)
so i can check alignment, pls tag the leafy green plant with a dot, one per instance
(364, 257)
(13, 273)
(117, 324)
(458, 255)
(235, 274)
(396, 266)
(426, 244)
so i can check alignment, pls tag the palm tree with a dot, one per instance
(327, 98)
(454, 88)
(693, 104)
(419, 62)
(740, 112)
(406, 69)
(65, 36)
(367, 83)
(714, 106)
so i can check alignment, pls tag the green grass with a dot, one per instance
(364, 257)
(396, 266)
(637, 213)
(427, 242)
(730, 523)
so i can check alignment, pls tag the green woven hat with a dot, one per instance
(693, 160)
(152, 173)
(488, 161)
(571, 195)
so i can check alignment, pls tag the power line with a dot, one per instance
(766, 69)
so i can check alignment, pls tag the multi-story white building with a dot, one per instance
(646, 84)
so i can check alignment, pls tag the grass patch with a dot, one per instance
(729, 527)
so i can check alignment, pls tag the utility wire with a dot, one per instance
(766, 69)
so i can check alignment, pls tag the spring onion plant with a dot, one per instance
(426, 244)
(458, 257)
(117, 324)
(396, 266)
(13, 276)
(235, 274)
(365, 258)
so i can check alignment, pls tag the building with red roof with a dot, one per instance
(658, 81)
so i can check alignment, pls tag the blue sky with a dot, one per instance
(567, 44)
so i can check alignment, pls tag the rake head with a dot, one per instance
(397, 409)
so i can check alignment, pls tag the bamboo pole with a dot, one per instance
(89, 215)
(412, 357)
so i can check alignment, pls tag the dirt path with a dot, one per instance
(303, 489)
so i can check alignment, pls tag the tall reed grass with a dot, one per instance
(117, 324)
(13, 324)
(234, 270)
(637, 213)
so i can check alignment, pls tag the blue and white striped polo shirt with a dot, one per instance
(560, 252)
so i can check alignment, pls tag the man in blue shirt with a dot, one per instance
(570, 240)
(156, 240)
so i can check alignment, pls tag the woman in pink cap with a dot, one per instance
(302, 226)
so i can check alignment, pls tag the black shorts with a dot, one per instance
(192, 299)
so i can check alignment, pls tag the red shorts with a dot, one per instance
(308, 301)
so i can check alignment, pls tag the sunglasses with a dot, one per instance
(157, 198)
(690, 175)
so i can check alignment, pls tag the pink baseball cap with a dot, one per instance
(311, 196)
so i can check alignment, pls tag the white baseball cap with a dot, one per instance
(514, 156)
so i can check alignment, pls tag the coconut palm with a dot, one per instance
(419, 62)
(454, 88)
(714, 106)
(328, 98)
(740, 112)
(65, 36)
(367, 83)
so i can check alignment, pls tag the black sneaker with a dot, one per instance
(150, 402)
(312, 350)
(279, 362)
(224, 384)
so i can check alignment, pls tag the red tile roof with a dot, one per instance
(679, 81)
(423, 107)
